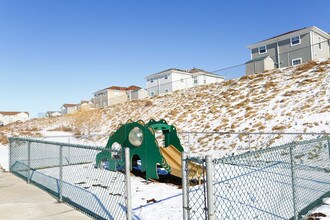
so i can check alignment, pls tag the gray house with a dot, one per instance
(289, 49)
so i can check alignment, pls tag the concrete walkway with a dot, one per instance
(19, 200)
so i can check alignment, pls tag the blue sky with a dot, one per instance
(61, 51)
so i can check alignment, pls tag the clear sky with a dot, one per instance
(61, 51)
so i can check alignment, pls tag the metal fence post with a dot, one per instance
(128, 183)
(209, 182)
(10, 155)
(29, 162)
(249, 141)
(60, 198)
(294, 199)
(185, 187)
(329, 147)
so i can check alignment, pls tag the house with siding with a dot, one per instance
(12, 117)
(84, 106)
(175, 79)
(117, 94)
(50, 114)
(289, 49)
(68, 109)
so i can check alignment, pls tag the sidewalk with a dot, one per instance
(19, 200)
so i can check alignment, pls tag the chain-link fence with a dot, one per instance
(68, 171)
(278, 182)
(220, 144)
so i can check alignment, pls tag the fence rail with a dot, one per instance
(68, 172)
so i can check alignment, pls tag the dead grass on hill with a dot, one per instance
(3, 139)
(306, 66)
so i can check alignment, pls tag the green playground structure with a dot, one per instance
(140, 139)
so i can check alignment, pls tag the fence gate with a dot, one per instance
(195, 186)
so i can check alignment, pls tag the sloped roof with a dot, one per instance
(12, 113)
(282, 36)
(69, 105)
(189, 72)
(289, 32)
(121, 88)
(257, 59)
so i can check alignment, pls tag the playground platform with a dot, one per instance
(20, 200)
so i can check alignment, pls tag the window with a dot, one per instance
(152, 80)
(195, 80)
(181, 80)
(263, 49)
(320, 43)
(152, 93)
(166, 77)
(166, 90)
(296, 61)
(295, 40)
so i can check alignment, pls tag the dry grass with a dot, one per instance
(279, 128)
(62, 128)
(320, 69)
(324, 62)
(3, 139)
(148, 103)
(306, 66)
(213, 109)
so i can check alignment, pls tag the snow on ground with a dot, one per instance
(149, 200)
(322, 212)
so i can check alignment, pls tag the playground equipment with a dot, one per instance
(141, 140)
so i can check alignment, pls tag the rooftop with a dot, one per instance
(69, 105)
(12, 113)
(121, 88)
(284, 35)
(189, 71)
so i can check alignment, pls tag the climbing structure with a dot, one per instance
(141, 140)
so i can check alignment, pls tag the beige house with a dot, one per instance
(115, 94)
(68, 109)
(84, 106)
(11, 117)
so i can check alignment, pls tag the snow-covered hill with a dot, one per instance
(294, 99)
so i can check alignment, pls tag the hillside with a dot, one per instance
(294, 99)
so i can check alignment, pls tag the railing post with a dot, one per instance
(329, 147)
(60, 198)
(249, 141)
(128, 183)
(294, 199)
(209, 182)
(185, 186)
(10, 155)
(29, 162)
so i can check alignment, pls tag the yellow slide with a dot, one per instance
(173, 158)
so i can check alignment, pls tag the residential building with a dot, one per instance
(50, 114)
(289, 49)
(11, 117)
(68, 109)
(175, 79)
(137, 94)
(84, 106)
(115, 94)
